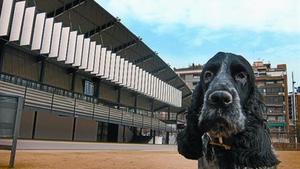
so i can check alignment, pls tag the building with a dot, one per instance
(292, 117)
(272, 83)
(84, 76)
(191, 75)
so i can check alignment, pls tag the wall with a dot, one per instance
(127, 98)
(26, 124)
(53, 127)
(57, 76)
(18, 63)
(143, 103)
(86, 130)
(108, 92)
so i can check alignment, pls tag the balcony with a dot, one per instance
(67, 103)
(172, 119)
(272, 124)
(275, 114)
(274, 105)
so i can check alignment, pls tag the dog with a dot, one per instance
(225, 127)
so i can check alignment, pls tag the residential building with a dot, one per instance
(292, 117)
(191, 75)
(272, 83)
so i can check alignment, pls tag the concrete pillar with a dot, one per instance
(153, 136)
(41, 80)
(74, 128)
(34, 125)
(2, 44)
(167, 137)
(167, 133)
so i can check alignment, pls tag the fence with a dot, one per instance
(69, 103)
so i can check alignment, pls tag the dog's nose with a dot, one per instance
(220, 98)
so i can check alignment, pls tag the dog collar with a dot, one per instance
(218, 141)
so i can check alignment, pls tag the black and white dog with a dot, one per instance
(225, 125)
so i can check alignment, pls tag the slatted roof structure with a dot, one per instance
(95, 24)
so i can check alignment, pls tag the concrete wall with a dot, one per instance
(108, 92)
(127, 98)
(18, 63)
(57, 76)
(143, 103)
(53, 127)
(50, 126)
(86, 130)
(26, 125)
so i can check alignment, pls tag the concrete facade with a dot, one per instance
(191, 75)
(77, 86)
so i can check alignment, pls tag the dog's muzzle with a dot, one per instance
(221, 114)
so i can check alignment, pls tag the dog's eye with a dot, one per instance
(208, 76)
(241, 77)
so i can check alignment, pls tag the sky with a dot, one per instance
(192, 31)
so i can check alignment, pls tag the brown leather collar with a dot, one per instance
(218, 141)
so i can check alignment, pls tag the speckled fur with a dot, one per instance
(248, 136)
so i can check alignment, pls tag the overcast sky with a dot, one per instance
(192, 31)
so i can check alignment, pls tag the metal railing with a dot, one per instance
(68, 103)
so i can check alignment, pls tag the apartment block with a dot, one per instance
(272, 83)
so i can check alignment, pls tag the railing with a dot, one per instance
(69, 103)
(286, 146)
(165, 116)
(279, 137)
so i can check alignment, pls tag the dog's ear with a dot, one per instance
(190, 139)
(253, 147)
(197, 99)
(255, 105)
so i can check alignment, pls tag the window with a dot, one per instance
(271, 118)
(274, 100)
(274, 90)
(88, 88)
(275, 110)
(262, 91)
(281, 119)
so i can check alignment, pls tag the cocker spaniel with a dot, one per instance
(225, 125)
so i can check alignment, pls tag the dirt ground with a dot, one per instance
(117, 160)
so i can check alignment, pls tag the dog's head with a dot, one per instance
(227, 81)
(226, 104)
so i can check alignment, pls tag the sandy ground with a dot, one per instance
(117, 160)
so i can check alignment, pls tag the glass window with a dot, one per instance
(88, 88)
